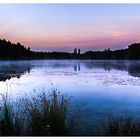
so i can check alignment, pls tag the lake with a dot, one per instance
(100, 88)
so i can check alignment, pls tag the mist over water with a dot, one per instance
(101, 88)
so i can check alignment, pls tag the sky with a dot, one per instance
(63, 27)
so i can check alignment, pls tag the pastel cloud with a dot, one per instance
(64, 27)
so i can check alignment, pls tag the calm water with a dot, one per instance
(100, 88)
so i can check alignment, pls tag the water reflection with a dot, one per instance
(77, 67)
(9, 69)
(13, 69)
(107, 65)
(134, 70)
(133, 67)
(99, 86)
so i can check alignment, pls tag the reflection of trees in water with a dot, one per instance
(134, 70)
(106, 65)
(132, 67)
(77, 67)
(16, 69)
(9, 71)
(63, 65)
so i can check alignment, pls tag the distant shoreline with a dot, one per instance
(11, 51)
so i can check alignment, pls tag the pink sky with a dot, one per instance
(65, 27)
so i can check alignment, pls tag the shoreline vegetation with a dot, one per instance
(123, 127)
(47, 114)
(11, 51)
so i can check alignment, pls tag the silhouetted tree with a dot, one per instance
(75, 51)
(11, 51)
(134, 51)
(78, 51)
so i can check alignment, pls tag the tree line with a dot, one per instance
(11, 51)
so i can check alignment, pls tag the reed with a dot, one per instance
(43, 115)
(123, 127)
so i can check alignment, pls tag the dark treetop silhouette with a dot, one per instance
(11, 51)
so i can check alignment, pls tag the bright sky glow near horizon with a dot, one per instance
(63, 27)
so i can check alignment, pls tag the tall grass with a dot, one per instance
(45, 114)
(123, 127)
(10, 121)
